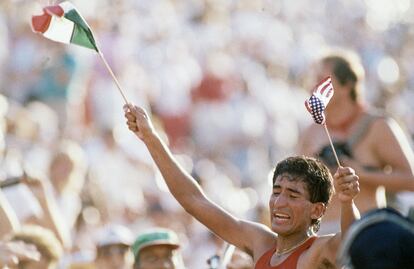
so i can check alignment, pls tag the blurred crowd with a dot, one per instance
(225, 80)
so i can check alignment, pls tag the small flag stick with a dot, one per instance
(316, 105)
(113, 76)
(332, 146)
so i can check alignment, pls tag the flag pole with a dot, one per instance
(113, 76)
(332, 146)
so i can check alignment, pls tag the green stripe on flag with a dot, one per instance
(82, 34)
(80, 37)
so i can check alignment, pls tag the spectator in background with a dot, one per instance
(32, 131)
(51, 217)
(54, 83)
(8, 220)
(67, 174)
(46, 244)
(157, 249)
(240, 260)
(363, 249)
(11, 252)
(109, 161)
(112, 249)
(373, 144)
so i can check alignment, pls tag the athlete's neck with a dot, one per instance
(287, 244)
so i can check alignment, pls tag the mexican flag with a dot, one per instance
(63, 23)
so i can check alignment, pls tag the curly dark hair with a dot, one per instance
(315, 175)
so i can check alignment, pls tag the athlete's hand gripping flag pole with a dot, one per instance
(63, 23)
(316, 105)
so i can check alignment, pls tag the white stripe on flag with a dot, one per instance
(324, 91)
(60, 30)
(323, 85)
(66, 6)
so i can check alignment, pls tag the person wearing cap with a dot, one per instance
(112, 248)
(302, 188)
(382, 239)
(158, 248)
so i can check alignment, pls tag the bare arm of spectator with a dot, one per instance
(388, 145)
(52, 218)
(8, 219)
(392, 149)
(245, 235)
(13, 252)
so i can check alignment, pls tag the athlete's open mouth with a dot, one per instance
(281, 216)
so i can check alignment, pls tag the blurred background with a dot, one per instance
(225, 81)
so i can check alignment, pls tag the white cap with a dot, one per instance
(114, 235)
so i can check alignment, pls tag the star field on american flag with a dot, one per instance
(319, 99)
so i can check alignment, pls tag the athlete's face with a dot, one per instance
(290, 207)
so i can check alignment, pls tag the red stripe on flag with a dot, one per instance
(321, 82)
(41, 23)
(308, 107)
(54, 10)
(329, 93)
(324, 88)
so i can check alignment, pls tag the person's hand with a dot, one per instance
(138, 121)
(358, 168)
(12, 252)
(346, 184)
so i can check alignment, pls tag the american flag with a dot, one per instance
(319, 99)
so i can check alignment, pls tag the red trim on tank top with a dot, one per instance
(290, 262)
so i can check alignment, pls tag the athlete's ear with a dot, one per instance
(318, 210)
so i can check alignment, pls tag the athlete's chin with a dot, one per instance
(281, 229)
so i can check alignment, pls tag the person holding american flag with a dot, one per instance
(368, 141)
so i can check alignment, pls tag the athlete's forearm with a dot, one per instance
(182, 186)
(349, 214)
